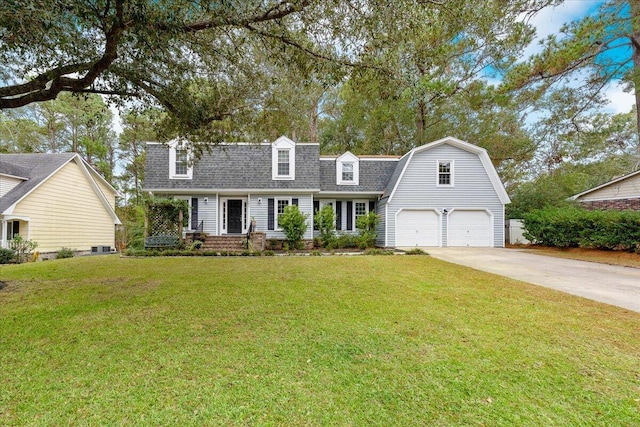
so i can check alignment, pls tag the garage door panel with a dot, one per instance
(469, 228)
(417, 228)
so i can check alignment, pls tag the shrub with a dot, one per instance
(294, 224)
(65, 253)
(325, 220)
(415, 251)
(268, 253)
(196, 245)
(367, 225)
(23, 248)
(344, 241)
(7, 255)
(576, 227)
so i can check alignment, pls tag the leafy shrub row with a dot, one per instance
(576, 227)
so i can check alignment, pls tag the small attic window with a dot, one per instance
(347, 172)
(445, 173)
(347, 169)
(283, 159)
(180, 166)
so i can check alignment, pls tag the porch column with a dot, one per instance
(3, 240)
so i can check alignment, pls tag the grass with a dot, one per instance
(622, 258)
(293, 341)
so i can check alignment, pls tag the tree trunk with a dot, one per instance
(635, 44)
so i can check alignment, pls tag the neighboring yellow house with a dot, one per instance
(618, 194)
(56, 200)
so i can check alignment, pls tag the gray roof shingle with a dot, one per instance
(36, 167)
(374, 176)
(233, 166)
(248, 166)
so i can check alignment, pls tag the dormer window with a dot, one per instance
(347, 169)
(347, 172)
(180, 166)
(283, 159)
(181, 162)
(283, 162)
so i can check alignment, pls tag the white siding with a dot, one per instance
(208, 213)
(473, 189)
(259, 205)
(7, 184)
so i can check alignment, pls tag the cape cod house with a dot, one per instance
(445, 193)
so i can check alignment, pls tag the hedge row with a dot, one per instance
(576, 227)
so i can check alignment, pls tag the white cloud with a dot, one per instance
(620, 101)
(551, 19)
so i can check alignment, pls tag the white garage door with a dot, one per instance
(469, 228)
(417, 228)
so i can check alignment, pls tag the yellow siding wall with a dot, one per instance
(625, 189)
(65, 211)
(7, 184)
(106, 191)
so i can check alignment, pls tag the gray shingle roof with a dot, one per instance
(374, 176)
(395, 175)
(36, 167)
(233, 166)
(248, 166)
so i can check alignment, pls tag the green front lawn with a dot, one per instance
(287, 341)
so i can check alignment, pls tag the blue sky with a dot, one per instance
(550, 20)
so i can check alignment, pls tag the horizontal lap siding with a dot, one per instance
(473, 188)
(259, 211)
(65, 211)
(628, 188)
(7, 184)
(208, 214)
(380, 207)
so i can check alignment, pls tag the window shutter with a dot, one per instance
(294, 202)
(270, 215)
(316, 209)
(338, 215)
(194, 213)
(372, 206)
(349, 215)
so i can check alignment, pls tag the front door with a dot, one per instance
(234, 216)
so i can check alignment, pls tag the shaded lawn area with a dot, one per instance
(625, 259)
(393, 340)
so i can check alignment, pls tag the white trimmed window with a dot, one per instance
(283, 163)
(347, 169)
(283, 159)
(180, 166)
(347, 172)
(281, 204)
(445, 173)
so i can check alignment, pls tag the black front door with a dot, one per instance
(234, 216)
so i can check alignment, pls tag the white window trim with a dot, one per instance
(283, 143)
(172, 163)
(366, 210)
(348, 157)
(289, 200)
(451, 173)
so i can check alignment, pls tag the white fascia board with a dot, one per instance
(606, 184)
(14, 176)
(84, 167)
(393, 192)
(10, 209)
(343, 194)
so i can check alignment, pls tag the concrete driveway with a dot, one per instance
(610, 284)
